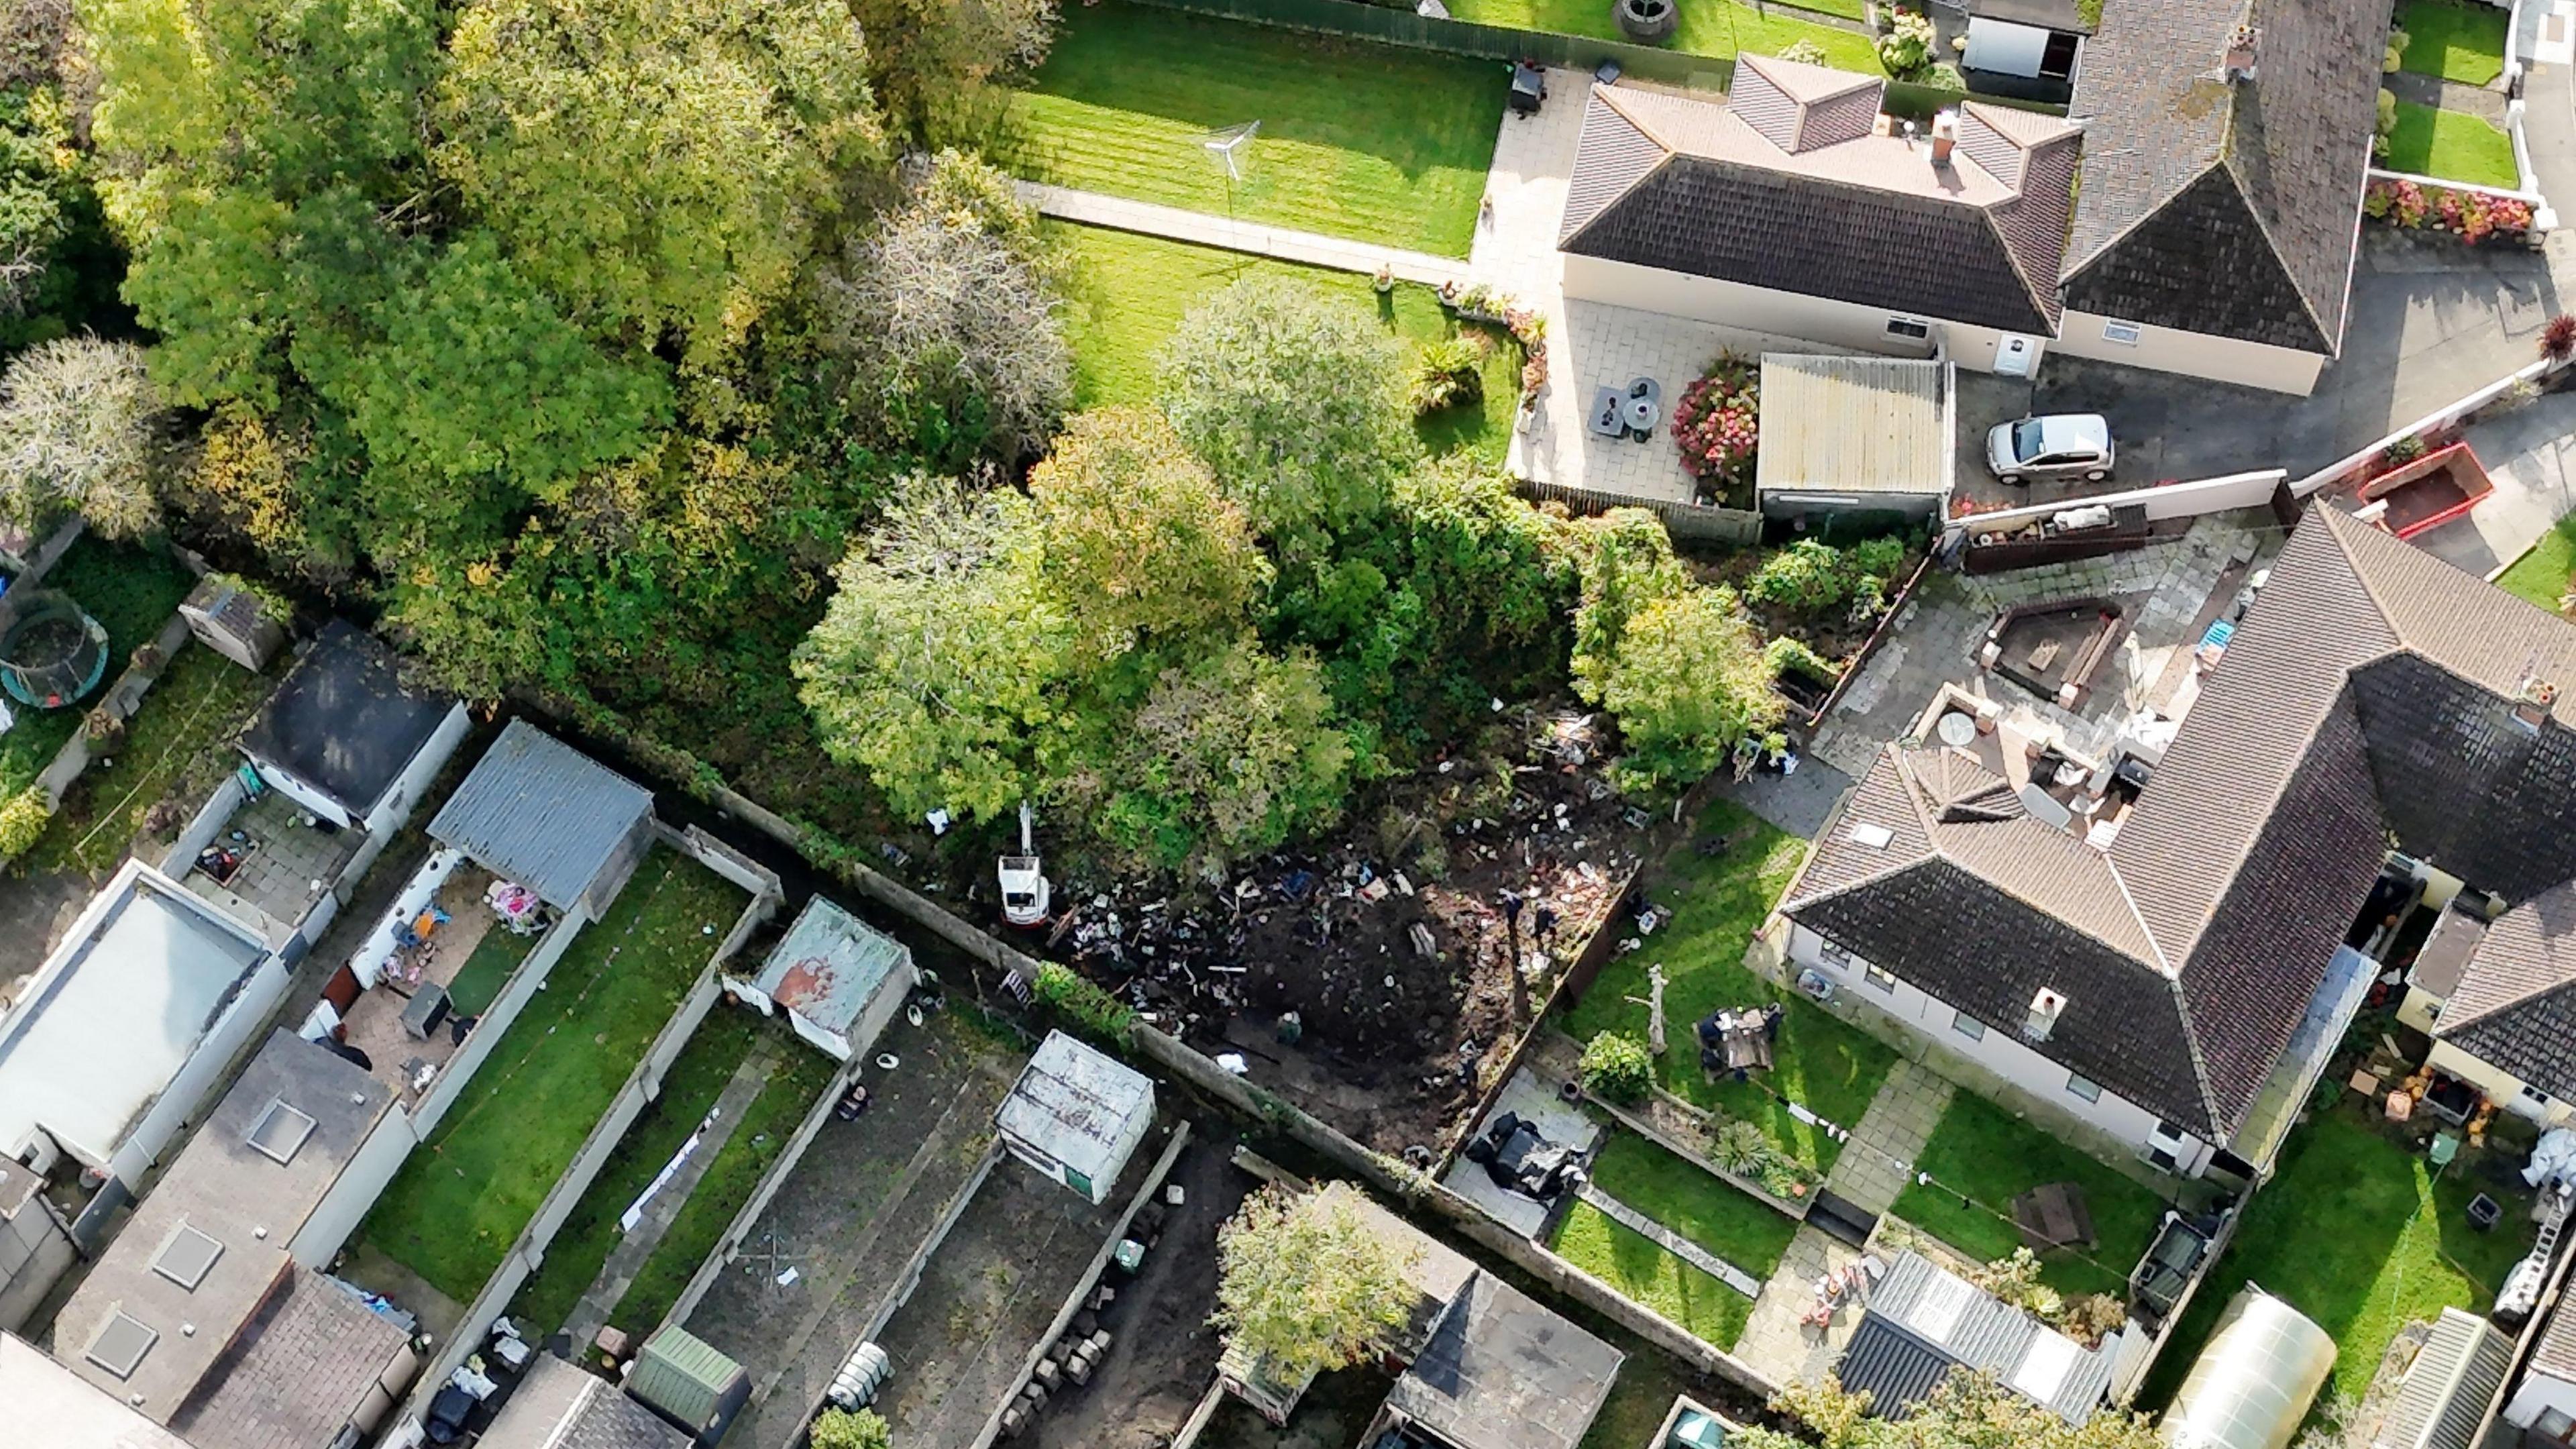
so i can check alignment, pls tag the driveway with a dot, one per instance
(2431, 322)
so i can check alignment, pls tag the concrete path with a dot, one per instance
(1312, 248)
(1670, 1241)
(1776, 1339)
(1879, 1160)
(618, 1273)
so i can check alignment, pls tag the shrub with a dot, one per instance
(1447, 373)
(2396, 54)
(2091, 1317)
(1905, 51)
(2407, 207)
(841, 1429)
(22, 822)
(1880, 556)
(1717, 424)
(2385, 126)
(2403, 451)
(1077, 1000)
(1792, 656)
(1805, 52)
(2558, 337)
(1617, 1068)
(1739, 1147)
(104, 727)
(1808, 575)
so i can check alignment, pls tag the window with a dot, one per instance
(121, 1344)
(1967, 1026)
(2083, 1088)
(280, 1131)
(2124, 333)
(2536, 1096)
(187, 1257)
(1914, 327)
(1833, 954)
(1883, 980)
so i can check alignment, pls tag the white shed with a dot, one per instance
(839, 978)
(1076, 1114)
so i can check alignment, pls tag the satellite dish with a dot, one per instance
(1956, 728)
(1230, 147)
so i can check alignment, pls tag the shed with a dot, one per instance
(2455, 1375)
(1076, 1114)
(1502, 1371)
(345, 738)
(839, 979)
(232, 621)
(682, 1378)
(559, 1406)
(539, 812)
(1924, 1321)
(1855, 435)
(2253, 1382)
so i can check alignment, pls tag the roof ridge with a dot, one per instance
(2164, 963)
(2509, 1003)
(2002, 889)
(2361, 575)
(2272, 244)
(2067, 270)
(1612, 203)
(1608, 95)
(2050, 301)
(2199, 1061)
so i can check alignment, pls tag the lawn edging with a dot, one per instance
(753, 1206)
(1795, 1210)
(642, 1085)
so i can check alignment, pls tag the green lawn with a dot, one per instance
(2450, 145)
(2455, 41)
(1373, 142)
(591, 1232)
(1983, 1151)
(465, 1194)
(1637, 1267)
(1718, 903)
(1721, 29)
(180, 743)
(1687, 1199)
(2353, 1232)
(131, 591)
(772, 1118)
(1130, 293)
(487, 970)
(2541, 575)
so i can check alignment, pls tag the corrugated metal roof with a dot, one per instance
(1852, 425)
(541, 813)
(1076, 1103)
(1924, 1320)
(830, 965)
(682, 1375)
(2457, 1371)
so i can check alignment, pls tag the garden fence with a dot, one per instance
(1356, 19)
(1686, 522)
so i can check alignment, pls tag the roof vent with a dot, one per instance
(2240, 52)
(2045, 1007)
(1945, 138)
(2532, 703)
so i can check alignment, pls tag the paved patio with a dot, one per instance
(1560, 1123)
(1776, 1339)
(1879, 1160)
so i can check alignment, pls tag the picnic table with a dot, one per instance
(1737, 1041)
(2054, 1215)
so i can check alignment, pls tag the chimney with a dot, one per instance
(2532, 703)
(2239, 63)
(2045, 1007)
(1945, 138)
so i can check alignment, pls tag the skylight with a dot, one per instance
(280, 1131)
(121, 1344)
(187, 1257)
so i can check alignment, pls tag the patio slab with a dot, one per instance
(1559, 1122)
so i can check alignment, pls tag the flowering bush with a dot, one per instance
(1906, 49)
(1717, 424)
(2473, 215)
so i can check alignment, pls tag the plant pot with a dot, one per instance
(1647, 22)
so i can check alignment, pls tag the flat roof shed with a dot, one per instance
(115, 1016)
(1502, 1371)
(1853, 434)
(341, 731)
(1924, 1321)
(839, 978)
(1076, 1114)
(539, 812)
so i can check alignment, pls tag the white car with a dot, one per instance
(2061, 445)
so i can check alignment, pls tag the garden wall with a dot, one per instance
(2163, 501)
(2353, 465)
(1686, 522)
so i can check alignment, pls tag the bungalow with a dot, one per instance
(2197, 212)
(2499, 1000)
(2173, 970)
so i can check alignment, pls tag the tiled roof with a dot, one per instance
(1877, 223)
(296, 1374)
(2368, 692)
(2515, 1005)
(2225, 206)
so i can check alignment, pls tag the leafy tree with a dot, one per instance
(844, 1429)
(1307, 1281)
(1138, 539)
(943, 311)
(1627, 563)
(478, 379)
(80, 432)
(1294, 400)
(937, 60)
(1969, 1411)
(935, 668)
(1229, 756)
(657, 164)
(1617, 1067)
(1688, 681)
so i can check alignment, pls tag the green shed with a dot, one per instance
(681, 1378)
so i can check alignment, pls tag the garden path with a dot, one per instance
(1879, 1159)
(1093, 208)
(618, 1273)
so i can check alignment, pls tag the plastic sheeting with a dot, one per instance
(2253, 1383)
(2554, 1155)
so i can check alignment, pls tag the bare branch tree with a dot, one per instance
(80, 431)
